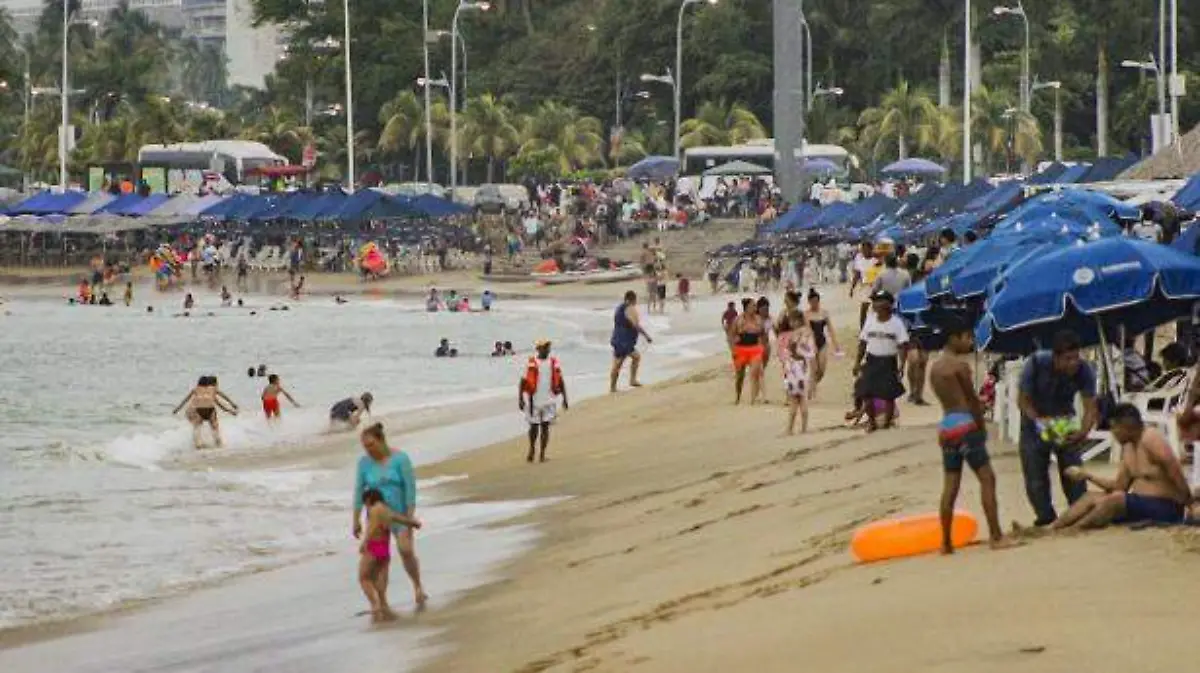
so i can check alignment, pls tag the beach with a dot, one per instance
(671, 531)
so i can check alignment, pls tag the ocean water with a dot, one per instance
(103, 500)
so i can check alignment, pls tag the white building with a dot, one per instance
(251, 52)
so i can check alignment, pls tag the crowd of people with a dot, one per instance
(1150, 487)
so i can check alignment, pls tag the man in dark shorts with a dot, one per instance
(1149, 486)
(962, 433)
(627, 327)
(347, 414)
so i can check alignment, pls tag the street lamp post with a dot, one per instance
(1153, 66)
(819, 91)
(469, 6)
(1010, 115)
(1019, 10)
(670, 81)
(1058, 120)
(679, 63)
(349, 102)
(966, 124)
(1176, 82)
(809, 92)
(65, 92)
(428, 104)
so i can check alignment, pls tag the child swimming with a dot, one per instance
(270, 397)
(376, 553)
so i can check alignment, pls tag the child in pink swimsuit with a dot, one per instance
(376, 553)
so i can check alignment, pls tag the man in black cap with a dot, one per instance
(882, 353)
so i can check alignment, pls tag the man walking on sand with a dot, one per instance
(962, 433)
(627, 327)
(537, 392)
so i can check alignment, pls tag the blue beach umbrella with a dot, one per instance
(654, 168)
(975, 279)
(819, 167)
(1086, 287)
(913, 166)
(912, 300)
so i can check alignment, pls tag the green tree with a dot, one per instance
(719, 123)
(995, 121)
(906, 118)
(488, 131)
(573, 140)
(279, 130)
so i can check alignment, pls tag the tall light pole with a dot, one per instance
(809, 91)
(1019, 10)
(967, 96)
(1058, 120)
(469, 6)
(670, 80)
(1176, 82)
(679, 64)
(820, 91)
(428, 105)
(1153, 66)
(349, 102)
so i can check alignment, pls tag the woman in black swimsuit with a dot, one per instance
(823, 335)
(204, 401)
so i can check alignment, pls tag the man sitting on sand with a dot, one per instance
(962, 433)
(1149, 486)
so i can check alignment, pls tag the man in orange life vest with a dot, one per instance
(537, 391)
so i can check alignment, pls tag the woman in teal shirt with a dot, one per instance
(391, 473)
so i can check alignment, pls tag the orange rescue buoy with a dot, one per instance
(910, 536)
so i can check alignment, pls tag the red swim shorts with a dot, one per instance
(744, 356)
(271, 406)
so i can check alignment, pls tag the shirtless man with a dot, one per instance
(1149, 485)
(963, 434)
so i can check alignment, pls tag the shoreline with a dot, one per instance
(433, 420)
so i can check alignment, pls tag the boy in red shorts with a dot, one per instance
(270, 397)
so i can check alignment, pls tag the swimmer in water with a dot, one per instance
(202, 403)
(376, 552)
(270, 397)
(298, 288)
(445, 351)
(347, 414)
(188, 302)
(226, 298)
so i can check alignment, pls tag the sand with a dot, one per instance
(695, 537)
(699, 539)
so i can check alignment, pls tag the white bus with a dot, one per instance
(696, 160)
(186, 163)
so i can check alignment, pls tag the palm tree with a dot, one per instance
(111, 141)
(559, 130)
(402, 119)
(720, 124)
(995, 120)
(279, 130)
(906, 117)
(488, 130)
(630, 148)
(158, 120)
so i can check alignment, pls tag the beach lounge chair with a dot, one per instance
(1158, 403)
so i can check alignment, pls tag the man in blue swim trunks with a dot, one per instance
(1149, 486)
(962, 433)
(627, 327)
